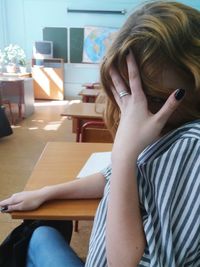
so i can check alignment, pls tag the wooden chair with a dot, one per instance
(6, 102)
(94, 132)
(11, 93)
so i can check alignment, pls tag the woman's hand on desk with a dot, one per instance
(25, 200)
(91, 187)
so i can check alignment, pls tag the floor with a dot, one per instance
(20, 151)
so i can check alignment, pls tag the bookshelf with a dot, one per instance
(48, 78)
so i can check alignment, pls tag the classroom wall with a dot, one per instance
(27, 18)
(22, 21)
(2, 24)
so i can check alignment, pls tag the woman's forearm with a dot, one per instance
(89, 187)
(125, 239)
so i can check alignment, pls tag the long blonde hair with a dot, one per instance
(159, 34)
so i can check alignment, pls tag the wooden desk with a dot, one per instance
(18, 90)
(61, 162)
(82, 112)
(17, 75)
(89, 95)
(95, 85)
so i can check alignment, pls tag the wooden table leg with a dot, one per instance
(78, 129)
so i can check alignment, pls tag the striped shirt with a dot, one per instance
(168, 176)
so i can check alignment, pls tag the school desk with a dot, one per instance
(89, 95)
(61, 162)
(18, 90)
(81, 112)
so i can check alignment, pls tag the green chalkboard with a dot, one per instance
(76, 44)
(59, 38)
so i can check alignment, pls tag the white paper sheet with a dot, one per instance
(95, 163)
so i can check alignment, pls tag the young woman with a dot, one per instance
(149, 212)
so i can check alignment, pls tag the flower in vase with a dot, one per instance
(13, 54)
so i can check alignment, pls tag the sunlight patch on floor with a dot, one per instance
(33, 128)
(15, 126)
(74, 102)
(41, 121)
(51, 103)
(52, 126)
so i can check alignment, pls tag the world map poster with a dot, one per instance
(96, 42)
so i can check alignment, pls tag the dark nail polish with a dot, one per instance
(179, 94)
(5, 208)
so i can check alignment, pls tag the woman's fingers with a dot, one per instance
(170, 106)
(25, 200)
(134, 76)
(13, 207)
(15, 199)
(134, 80)
(6, 202)
(8, 208)
(116, 96)
(4, 208)
(117, 81)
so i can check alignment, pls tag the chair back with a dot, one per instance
(95, 132)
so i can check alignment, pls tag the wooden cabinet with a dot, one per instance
(48, 78)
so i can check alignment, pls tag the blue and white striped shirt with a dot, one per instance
(168, 175)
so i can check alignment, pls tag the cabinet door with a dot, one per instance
(48, 83)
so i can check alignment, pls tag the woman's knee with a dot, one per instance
(41, 233)
(47, 247)
(41, 241)
(41, 236)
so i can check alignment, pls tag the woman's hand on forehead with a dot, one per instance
(137, 122)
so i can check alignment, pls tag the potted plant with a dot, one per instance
(12, 56)
(22, 65)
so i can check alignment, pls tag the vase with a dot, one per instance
(11, 68)
(22, 69)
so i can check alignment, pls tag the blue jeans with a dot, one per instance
(47, 248)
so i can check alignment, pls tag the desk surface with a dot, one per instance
(89, 92)
(84, 110)
(14, 79)
(10, 79)
(16, 74)
(61, 162)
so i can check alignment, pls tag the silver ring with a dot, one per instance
(123, 93)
